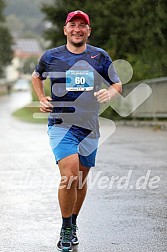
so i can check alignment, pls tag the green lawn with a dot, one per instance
(26, 114)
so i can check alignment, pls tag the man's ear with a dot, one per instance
(90, 29)
(64, 28)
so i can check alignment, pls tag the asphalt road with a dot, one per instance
(125, 209)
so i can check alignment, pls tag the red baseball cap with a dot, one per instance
(77, 13)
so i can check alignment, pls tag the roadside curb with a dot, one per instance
(161, 125)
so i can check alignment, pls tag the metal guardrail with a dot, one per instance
(156, 105)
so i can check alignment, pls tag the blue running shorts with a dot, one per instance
(66, 141)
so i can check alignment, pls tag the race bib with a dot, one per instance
(79, 80)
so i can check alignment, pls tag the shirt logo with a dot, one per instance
(94, 56)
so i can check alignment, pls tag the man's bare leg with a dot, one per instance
(71, 193)
(81, 188)
(81, 193)
(67, 193)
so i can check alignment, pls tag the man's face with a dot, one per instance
(77, 31)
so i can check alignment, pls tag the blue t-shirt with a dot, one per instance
(74, 78)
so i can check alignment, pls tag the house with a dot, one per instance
(23, 49)
(26, 48)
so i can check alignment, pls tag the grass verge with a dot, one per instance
(26, 114)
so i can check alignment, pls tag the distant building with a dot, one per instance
(26, 48)
(23, 49)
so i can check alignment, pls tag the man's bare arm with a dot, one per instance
(45, 105)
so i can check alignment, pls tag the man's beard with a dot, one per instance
(78, 44)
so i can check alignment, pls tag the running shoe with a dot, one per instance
(65, 242)
(75, 240)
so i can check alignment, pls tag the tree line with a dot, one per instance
(131, 30)
(6, 53)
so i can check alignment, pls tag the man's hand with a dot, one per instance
(45, 105)
(103, 95)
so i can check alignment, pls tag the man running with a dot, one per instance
(76, 71)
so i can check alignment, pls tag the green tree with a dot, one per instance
(149, 34)
(29, 64)
(130, 30)
(6, 53)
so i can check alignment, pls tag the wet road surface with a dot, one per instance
(126, 205)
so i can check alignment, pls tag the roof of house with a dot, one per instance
(25, 47)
